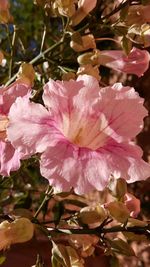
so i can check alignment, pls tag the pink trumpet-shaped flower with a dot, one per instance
(9, 157)
(83, 133)
(137, 62)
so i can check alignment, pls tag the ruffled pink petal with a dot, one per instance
(9, 158)
(123, 109)
(30, 128)
(137, 62)
(124, 160)
(9, 94)
(58, 95)
(65, 166)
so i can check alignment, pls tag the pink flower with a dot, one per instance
(83, 133)
(133, 204)
(9, 157)
(137, 62)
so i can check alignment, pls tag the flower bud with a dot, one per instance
(18, 231)
(118, 187)
(64, 7)
(89, 70)
(92, 214)
(26, 74)
(140, 34)
(86, 42)
(138, 14)
(89, 58)
(118, 211)
(84, 8)
(133, 204)
(68, 76)
(84, 243)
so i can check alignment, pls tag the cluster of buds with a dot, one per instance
(76, 10)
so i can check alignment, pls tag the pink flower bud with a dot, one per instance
(133, 204)
(84, 8)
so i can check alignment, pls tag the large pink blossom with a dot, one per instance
(137, 62)
(83, 133)
(9, 156)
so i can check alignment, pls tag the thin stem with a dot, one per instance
(48, 195)
(98, 231)
(12, 52)
(43, 39)
(107, 39)
(34, 60)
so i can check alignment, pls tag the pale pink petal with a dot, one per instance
(65, 166)
(137, 62)
(125, 161)
(123, 109)
(9, 158)
(133, 204)
(62, 166)
(30, 128)
(9, 94)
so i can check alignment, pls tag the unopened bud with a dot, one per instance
(133, 204)
(92, 214)
(90, 70)
(86, 42)
(89, 58)
(118, 187)
(68, 76)
(84, 8)
(26, 73)
(118, 211)
(140, 34)
(18, 231)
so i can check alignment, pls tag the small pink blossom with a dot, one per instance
(133, 204)
(9, 157)
(137, 62)
(83, 133)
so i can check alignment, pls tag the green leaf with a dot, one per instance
(121, 247)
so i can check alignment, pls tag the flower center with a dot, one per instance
(85, 131)
(3, 126)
